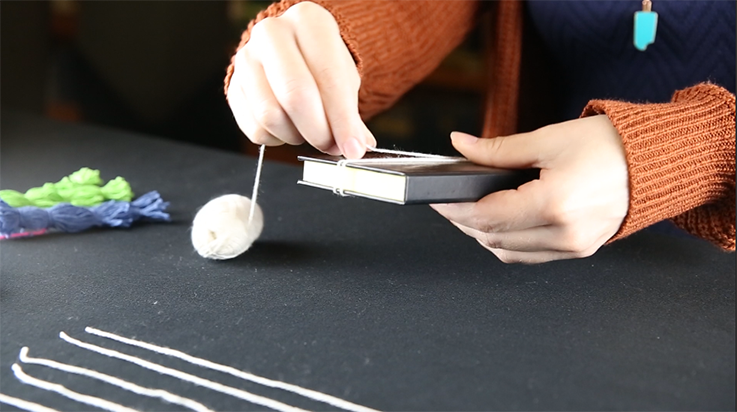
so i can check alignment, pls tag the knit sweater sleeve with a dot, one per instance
(681, 158)
(395, 43)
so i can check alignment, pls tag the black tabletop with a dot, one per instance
(385, 306)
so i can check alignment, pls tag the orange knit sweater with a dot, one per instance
(681, 155)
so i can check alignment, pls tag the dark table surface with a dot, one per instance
(386, 306)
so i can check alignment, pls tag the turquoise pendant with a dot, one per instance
(646, 24)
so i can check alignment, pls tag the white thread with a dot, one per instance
(405, 153)
(237, 393)
(22, 404)
(409, 158)
(342, 177)
(62, 390)
(129, 386)
(401, 160)
(256, 182)
(308, 393)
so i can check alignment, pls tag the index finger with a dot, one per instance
(336, 75)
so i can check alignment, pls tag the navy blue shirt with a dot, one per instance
(592, 42)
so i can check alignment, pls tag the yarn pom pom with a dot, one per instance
(220, 229)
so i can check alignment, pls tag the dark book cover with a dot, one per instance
(441, 182)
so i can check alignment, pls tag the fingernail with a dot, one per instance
(333, 151)
(463, 138)
(371, 141)
(353, 149)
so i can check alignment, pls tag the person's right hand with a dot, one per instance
(296, 81)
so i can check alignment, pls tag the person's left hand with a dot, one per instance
(577, 204)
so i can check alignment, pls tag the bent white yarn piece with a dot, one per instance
(228, 225)
(62, 390)
(308, 393)
(129, 386)
(23, 404)
(218, 387)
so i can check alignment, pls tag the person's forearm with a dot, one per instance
(681, 158)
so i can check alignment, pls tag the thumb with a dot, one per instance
(516, 151)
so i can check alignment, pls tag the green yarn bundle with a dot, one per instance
(81, 188)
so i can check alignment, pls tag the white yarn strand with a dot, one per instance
(62, 390)
(405, 153)
(308, 393)
(256, 182)
(218, 387)
(129, 386)
(23, 404)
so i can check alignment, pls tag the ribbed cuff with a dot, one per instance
(681, 158)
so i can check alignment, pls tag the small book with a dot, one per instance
(394, 180)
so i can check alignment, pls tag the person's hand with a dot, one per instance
(296, 81)
(578, 203)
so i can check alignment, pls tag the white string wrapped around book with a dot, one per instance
(407, 158)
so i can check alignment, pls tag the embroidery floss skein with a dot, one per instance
(228, 225)
(81, 188)
(71, 219)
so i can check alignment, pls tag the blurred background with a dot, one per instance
(157, 67)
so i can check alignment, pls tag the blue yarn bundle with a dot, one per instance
(71, 219)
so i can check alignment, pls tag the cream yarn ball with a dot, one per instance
(220, 229)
